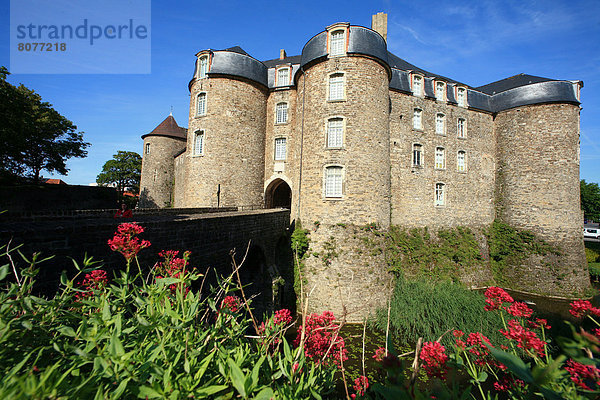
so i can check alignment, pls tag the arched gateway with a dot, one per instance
(278, 194)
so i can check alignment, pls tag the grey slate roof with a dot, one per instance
(511, 83)
(288, 60)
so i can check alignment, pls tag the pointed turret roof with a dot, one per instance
(168, 128)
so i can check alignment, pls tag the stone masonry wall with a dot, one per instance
(364, 155)
(286, 170)
(156, 185)
(469, 194)
(209, 237)
(538, 189)
(234, 144)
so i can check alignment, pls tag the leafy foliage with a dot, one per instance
(300, 245)
(590, 200)
(142, 336)
(509, 245)
(417, 252)
(34, 135)
(123, 170)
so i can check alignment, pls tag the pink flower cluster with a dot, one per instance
(361, 384)
(519, 309)
(583, 375)
(507, 383)
(495, 297)
(379, 354)
(172, 266)
(95, 280)
(126, 242)
(433, 355)
(580, 308)
(231, 303)
(322, 341)
(526, 339)
(282, 317)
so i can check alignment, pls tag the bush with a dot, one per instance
(426, 309)
(592, 252)
(144, 336)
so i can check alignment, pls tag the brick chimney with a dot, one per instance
(379, 24)
(282, 54)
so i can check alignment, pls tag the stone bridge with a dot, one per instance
(210, 234)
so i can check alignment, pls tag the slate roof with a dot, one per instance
(168, 128)
(288, 60)
(237, 49)
(511, 83)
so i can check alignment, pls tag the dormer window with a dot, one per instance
(417, 85)
(337, 42)
(202, 66)
(283, 77)
(461, 96)
(440, 91)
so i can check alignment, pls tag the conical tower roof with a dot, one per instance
(168, 128)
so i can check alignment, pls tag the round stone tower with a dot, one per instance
(343, 109)
(226, 141)
(537, 128)
(160, 147)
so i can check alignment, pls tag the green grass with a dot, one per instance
(421, 308)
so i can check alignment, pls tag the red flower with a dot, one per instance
(526, 339)
(583, 375)
(95, 280)
(457, 333)
(508, 382)
(283, 317)
(434, 359)
(379, 354)
(579, 308)
(231, 303)
(495, 296)
(539, 323)
(519, 310)
(125, 241)
(322, 338)
(361, 384)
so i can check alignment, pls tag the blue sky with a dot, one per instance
(475, 42)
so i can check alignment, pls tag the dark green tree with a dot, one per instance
(34, 136)
(123, 170)
(590, 200)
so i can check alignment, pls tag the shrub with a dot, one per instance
(139, 336)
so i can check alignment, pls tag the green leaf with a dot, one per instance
(105, 311)
(203, 366)
(63, 278)
(149, 393)
(67, 331)
(512, 362)
(265, 394)
(482, 376)
(186, 366)
(210, 390)
(27, 325)
(3, 272)
(120, 389)
(115, 348)
(237, 377)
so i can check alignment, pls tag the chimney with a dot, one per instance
(379, 24)
(282, 54)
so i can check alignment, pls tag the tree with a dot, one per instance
(34, 135)
(590, 200)
(124, 170)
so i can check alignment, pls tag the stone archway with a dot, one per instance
(278, 195)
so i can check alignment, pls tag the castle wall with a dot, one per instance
(180, 180)
(234, 144)
(538, 188)
(364, 155)
(156, 184)
(469, 195)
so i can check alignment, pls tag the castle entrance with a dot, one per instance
(278, 194)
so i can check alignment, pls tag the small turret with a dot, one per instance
(160, 146)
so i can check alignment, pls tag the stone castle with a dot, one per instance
(349, 133)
